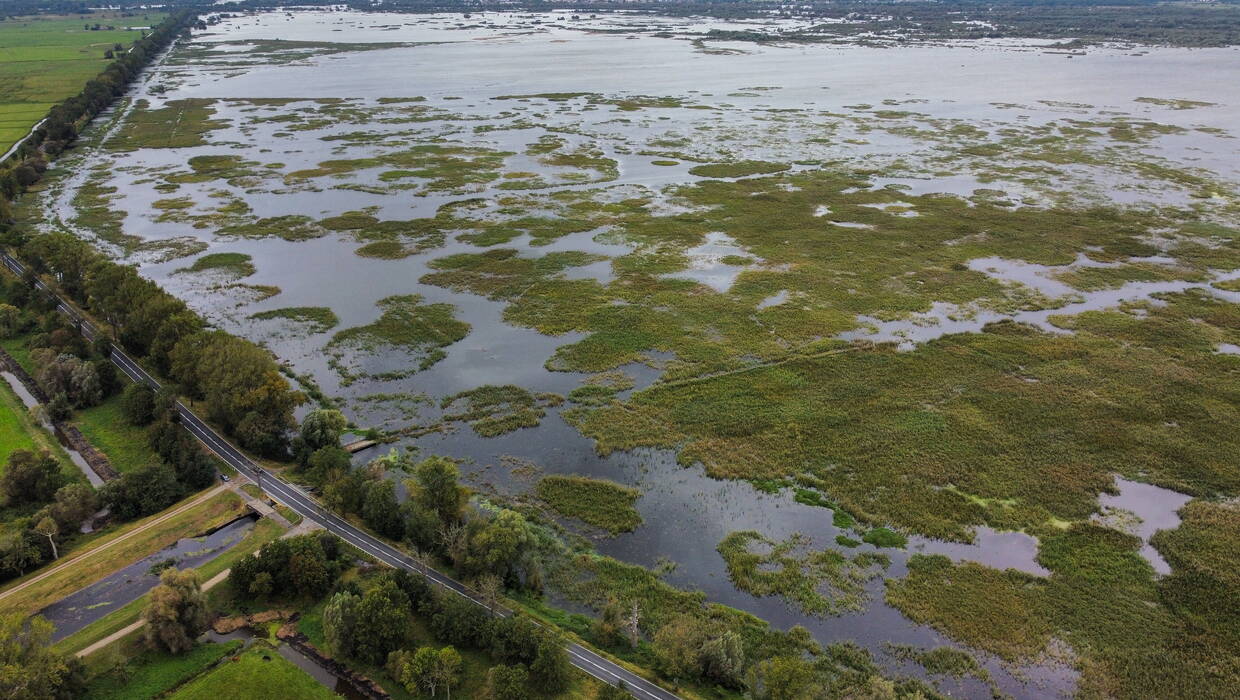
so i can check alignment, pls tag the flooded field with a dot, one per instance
(820, 293)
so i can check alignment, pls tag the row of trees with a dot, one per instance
(240, 383)
(479, 542)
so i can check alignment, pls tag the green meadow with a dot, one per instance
(44, 60)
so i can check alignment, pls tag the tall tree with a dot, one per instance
(381, 511)
(322, 427)
(382, 621)
(551, 669)
(507, 683)
(48, 528)
(437, 488)
(340, 623)
(177, 611)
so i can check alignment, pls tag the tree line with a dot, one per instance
(240, 383)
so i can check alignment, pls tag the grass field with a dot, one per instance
(260, 672)
(152, 673)
(44, 60)
(214, 512)
(124, 444)
(18, 431)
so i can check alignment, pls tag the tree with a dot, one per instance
(177, 611)
(74, 503)
(260, 586)
(437, 488)
(138, 404)
(195, 468)
(446, 670)
(29, 668)
(87, 389)
(48, 528)
(322, 427)
(490, 588)
(515, 640)
(678, 644)
(381, 511)
(10, 320)
(499, 543)
(781, 678)
(109, 380)
(30, 478)
(382, 621)
(455, 539)
(507, 683)
(723, 659)
(326, 462)
(18, 552)
(551, 669)
(421, 527)
(340, 623)
(142, 491)
(459, 622)
(607, 629)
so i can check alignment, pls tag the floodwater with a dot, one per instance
(1154, 508)
(88, 604)
(735, 101)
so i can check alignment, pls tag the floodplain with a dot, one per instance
(884, 343)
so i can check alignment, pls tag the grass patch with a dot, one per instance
(419, 331)
(818, 582)
(178, 124)
(235, 264)
(106, 428)
(495, 410)
(742, 168)
(1101, 598)
(259, 672)
(153, 673)
(46, 59)
(319, 319)
(18, 431)
(884, 537)
(603, 504)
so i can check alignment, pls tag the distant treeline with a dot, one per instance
(241, 384)
(1090, 21)
(22, 8)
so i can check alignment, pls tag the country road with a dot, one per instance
(302, 503)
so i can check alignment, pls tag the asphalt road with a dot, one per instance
(305, 505)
